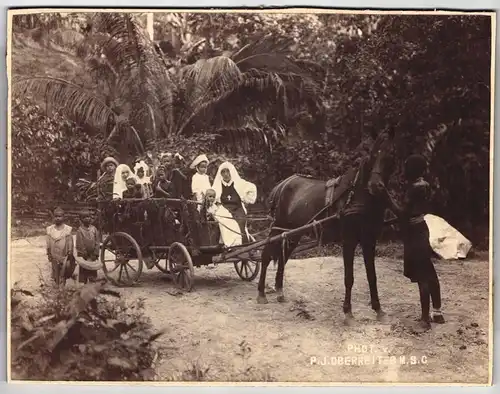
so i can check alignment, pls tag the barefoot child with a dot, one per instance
(59, 245)
(418, 266)
(87, 247)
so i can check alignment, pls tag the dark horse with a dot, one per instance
(358, 201)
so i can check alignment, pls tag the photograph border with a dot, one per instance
(318, 10)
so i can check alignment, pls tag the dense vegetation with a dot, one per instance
(227, 83)
(79, 333)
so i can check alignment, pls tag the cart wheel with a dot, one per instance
(125, 267)
(162, 266)
(181, 266)
(247, 269)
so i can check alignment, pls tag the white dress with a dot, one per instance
(229, 228)
(199, 185)
(230, 232)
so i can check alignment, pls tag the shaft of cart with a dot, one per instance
(238, 251)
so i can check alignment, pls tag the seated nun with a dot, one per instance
(233, 194)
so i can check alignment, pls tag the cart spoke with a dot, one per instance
(120, 274)
(126, 270)
(132, 268)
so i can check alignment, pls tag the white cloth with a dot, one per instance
(246, 190)
(199, 185)
(120, 185)
(198, 160)
(445, 240)
(229, 229)
(145, 179)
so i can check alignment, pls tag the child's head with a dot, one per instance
(130, 182)
(210, 196)
(160, 172)
(415, 167)
(202, 167)
(140, 172)
(58, 216)
(86, 217)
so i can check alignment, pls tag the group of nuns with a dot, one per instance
(223, 200)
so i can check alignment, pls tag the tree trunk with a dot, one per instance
(150, 25)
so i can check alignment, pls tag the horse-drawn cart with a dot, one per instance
(169, 234)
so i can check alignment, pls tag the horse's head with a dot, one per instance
(381, 162)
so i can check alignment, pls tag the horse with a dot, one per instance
(360, 205)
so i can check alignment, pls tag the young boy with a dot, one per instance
(87, 246)
(60, 246)
(134, 190)
(209, 206)
(418, 266)
(208, 211)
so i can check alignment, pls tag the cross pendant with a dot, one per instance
(229, 198)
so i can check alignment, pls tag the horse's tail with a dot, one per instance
(275, 195)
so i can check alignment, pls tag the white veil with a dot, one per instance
(144, 166)
(246, 190)
(119, 185)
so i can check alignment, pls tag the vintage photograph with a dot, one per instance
(259, 196)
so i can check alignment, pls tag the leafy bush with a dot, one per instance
(49, 154)
(76, 333)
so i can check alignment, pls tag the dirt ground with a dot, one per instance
(219, 333)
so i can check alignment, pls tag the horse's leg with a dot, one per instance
(265, 260)
(268, 253)
(349, 243)
(368, 246)
(280, 273)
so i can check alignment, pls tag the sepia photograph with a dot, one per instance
(260, 197)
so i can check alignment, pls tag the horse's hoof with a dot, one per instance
(439, 319)
(349, 320)
(382, 317)
(281, 298)
(262, 300)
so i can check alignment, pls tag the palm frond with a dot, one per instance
(432, 139)
(72, 100)
(144, 78)
(254, 92)
(269, 53)
(67, 38)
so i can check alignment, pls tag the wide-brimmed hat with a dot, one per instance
(198, 160)
(107, 160)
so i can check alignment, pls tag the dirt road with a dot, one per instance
(219, 333)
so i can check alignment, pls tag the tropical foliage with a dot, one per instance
(135, 94)
(79, 333)
(217, 82)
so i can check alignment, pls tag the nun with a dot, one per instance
(200, 182)
(122, 173)
(234, 194)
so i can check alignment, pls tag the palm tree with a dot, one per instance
(253, 94)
